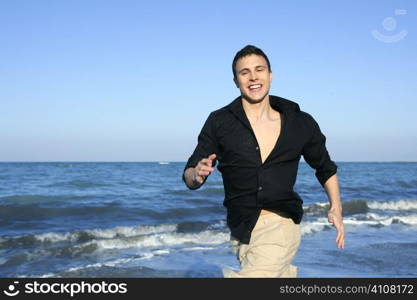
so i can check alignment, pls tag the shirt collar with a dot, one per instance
(279, 104)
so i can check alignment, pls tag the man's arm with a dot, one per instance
(317, 156)
(335, 211)
(201, 163)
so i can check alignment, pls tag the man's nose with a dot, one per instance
(253, 76)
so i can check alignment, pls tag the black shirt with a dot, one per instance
(249, 184)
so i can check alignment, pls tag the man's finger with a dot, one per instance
(330, 219)
(212, 156)
(206, 168)
(206, 162)
(203, 173)
(203, 170)
(340, 239)
(341, 242)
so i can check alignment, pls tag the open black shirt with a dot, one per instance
(249, 184)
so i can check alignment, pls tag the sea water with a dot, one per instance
(127, 219)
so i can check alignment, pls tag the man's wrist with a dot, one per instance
(335, 208)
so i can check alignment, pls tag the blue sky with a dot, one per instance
(135, 80)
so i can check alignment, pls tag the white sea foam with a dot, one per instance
(320, 205)
(410, 220)
(369, 219)
(312, 227)
(147, 255)
(48, 275)
(218, 225)
(132, 231)
(116, 262)
(161, 252)
(405, 204)
(112, 263)
(394, 205)
(198, 248)
(375, 219)
(165, 239)
(53, 237)
(120, 231)
(379, 220)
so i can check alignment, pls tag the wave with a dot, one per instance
(188, 227)
(85, 235)
(119, 232)
(153, 240)
(407, 184)
(307, 228)
(85, 242)
(57, 252)
(151, 244)
(123, 263)
(362, 206)
(165, 240)
(195, 232)
(408, 205)
(119, 269)
(369, 219)
(379, 221)
(349, 208)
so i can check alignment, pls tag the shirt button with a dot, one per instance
(260, 188)
(257, 148)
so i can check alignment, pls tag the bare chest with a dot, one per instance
(267, 134)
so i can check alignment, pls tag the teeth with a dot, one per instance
(255, 86)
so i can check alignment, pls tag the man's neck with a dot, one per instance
(257, 111)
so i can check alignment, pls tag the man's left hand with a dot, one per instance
(335, 217)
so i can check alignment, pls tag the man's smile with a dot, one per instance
(255, 87)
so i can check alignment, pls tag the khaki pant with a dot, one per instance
(273, 244)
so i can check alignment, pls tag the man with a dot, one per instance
(258, 140)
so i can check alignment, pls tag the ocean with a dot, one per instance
(128, 219)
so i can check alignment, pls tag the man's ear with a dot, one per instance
(236, 82)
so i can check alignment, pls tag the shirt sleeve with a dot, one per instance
(317, 156)
(207, 145)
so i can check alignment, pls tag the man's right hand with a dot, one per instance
(204, 168)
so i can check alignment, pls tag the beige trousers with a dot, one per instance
(273, 244)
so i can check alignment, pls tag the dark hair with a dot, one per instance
(248, 50)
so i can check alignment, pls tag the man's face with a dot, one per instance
(253, 77)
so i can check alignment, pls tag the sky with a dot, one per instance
(135, 81)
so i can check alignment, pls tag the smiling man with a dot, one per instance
(258, 140)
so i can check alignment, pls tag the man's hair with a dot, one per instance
(248, 50)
